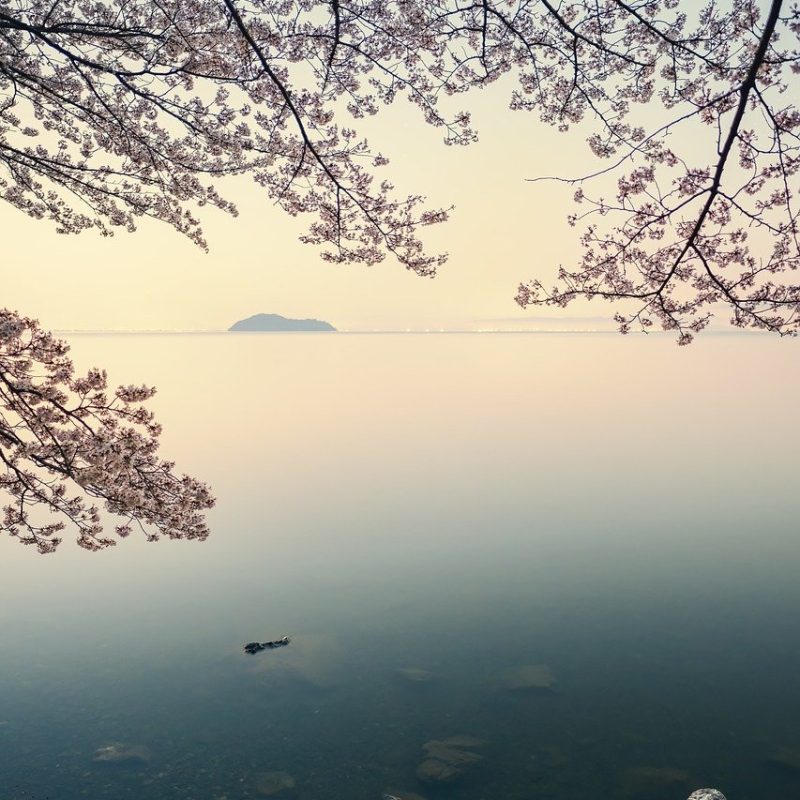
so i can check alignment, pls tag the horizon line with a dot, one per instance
(381, 331)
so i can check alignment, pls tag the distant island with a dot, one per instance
(275, 322)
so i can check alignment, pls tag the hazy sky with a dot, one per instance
(503, 230)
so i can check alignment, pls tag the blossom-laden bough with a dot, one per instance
(690, 238)
(66, 443)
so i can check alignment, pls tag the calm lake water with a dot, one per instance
(425, 516)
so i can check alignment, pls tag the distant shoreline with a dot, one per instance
(448, 332)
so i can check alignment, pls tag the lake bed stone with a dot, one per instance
(121, 753)
(445, 760)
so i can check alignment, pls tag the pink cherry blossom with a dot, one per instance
(67, 445)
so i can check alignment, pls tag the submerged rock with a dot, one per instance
(530, 677)
(120, 753)
(272, 783)
(445, 760)
(654, 783)
(415, 674)
(707, 794)
(433, 771)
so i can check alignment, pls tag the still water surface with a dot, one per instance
(425, 515)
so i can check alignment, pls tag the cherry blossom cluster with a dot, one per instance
(117, 110)
(677, 239)
(67, 445)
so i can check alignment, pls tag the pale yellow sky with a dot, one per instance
(503, 230)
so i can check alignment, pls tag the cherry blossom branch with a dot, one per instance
(64, 439)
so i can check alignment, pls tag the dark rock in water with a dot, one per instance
(252, 648)
(276, 323)
(120, 753)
